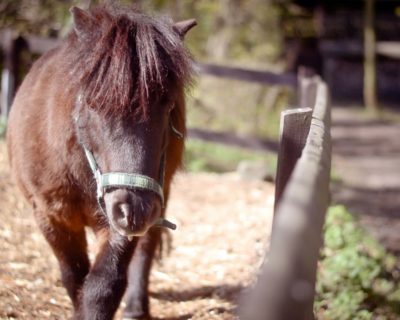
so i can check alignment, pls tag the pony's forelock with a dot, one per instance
(129, 59)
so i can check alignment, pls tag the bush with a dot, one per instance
(213, 157)
(357, 278)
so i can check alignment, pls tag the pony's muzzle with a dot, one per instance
(131, 212)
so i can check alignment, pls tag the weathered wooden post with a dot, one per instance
(294, 127)
(8, 74)
(370, 89)
(307, 91)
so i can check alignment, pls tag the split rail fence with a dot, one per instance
(286, 286)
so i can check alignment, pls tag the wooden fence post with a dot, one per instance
(295, 125)
(8, 72)
(307, 91)
(294, 128)
(12, 47)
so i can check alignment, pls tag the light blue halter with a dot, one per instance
(125, 180)
(130, 180)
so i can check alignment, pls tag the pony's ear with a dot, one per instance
(84, 24)
(183, 27)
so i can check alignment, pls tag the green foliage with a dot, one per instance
(239, 30)
(206, 156)
(335, 177)
(3, 127)
(243, 108)
(357, 278)
(40, 17)
(243, 32)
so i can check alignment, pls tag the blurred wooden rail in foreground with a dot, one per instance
(286, 287)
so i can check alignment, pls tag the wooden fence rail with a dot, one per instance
(285, 289)
(263, 77)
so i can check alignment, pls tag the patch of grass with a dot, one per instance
(206, 156)
(3, 127)
(335, 177)
(241, 107)
(357, 277)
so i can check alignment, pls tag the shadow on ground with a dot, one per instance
(223, 292)
(377, 210)
(229, 293)
(366, 157)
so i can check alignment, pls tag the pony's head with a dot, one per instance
(130, 71)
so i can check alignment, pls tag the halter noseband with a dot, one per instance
(131, 181)
(128, 180)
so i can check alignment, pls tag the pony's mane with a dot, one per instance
(127, 61)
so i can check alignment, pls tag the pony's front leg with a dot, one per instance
(70, 249)
(137, 297)
(106, 282)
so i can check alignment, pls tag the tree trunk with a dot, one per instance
(370, 90)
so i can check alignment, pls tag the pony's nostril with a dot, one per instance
(121, 214)
(132, 212)
(123, 222)
(124, 209)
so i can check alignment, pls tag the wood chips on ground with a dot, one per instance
(223, 229)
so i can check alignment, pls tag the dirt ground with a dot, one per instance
(366, 157)
(223, 229)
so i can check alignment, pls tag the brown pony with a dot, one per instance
(93, 140)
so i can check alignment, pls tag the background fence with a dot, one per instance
(13, 46)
